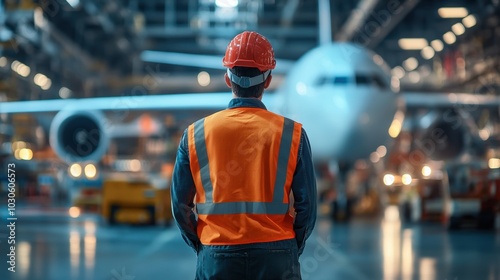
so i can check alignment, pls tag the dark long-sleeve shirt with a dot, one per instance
(303, 188)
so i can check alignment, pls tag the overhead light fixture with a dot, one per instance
(449, 37)
(410, 64)
(414, 77)
(458, 28)
(20, 68)
(412, 43)
(427, 52)
(3, 61)
(469, 21)
(437, 45)
(42, 81)
(203, 79)
(65, 92)
(453, 12)
(398, 72)
(73, 3)
(494, 163)
(38, 18)
(226, 3)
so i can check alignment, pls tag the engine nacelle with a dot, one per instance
(79, 135)
(445, 138)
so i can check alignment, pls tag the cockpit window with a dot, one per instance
(370, 80)
(359, 79)
(340, 80)
(380, 82)
(363, 80)
(337, 80)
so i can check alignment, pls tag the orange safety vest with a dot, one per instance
(243, 161)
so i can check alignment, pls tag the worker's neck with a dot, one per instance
(260, 97)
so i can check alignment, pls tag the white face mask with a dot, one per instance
(246, 82)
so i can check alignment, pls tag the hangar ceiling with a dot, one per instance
(92, 47)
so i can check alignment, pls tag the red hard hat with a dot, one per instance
(250, 49)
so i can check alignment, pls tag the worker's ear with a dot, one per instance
(226, 78)
(268, 81)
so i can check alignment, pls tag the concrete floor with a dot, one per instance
(53, 247)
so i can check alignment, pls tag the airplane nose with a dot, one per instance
(345, 124)
(370, 118)
(361, 122)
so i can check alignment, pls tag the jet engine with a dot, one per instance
(79, 135)
(443, 140)
(448, 134)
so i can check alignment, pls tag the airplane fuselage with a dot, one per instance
(342, 95)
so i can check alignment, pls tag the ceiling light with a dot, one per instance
(3, 61)
(437, 45)
(38, 18)
(203, 79)
(412, 43)
(73, 3)
(449, 37)
(46, 85)
(65, 92)
(453, 12)
(494, 163)
(428, 52)
(24, 70)
(398, 72)
(15, 65)
(414, 77)
(410, 64)
(469, 21)
(40, 79)
(458, 28)
(226, 3)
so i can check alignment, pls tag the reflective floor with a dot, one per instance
(56, 247)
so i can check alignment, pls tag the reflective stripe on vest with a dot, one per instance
(244, 207)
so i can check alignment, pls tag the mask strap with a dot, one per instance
(246, 82)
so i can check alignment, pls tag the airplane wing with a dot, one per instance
(447, 100)
(201, 60)
(215, 101)
(170, 102)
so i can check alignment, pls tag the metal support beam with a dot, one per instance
(170, 13)
(289, 12)
(356, 20)
(406, 7)
(325, 22)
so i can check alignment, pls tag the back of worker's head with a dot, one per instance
(249, 58)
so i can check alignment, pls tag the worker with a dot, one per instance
(234, 173)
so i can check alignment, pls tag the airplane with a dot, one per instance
(340, 92)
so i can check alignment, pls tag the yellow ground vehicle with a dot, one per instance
(135, 201)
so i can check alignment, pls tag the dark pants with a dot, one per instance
(277, 260)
